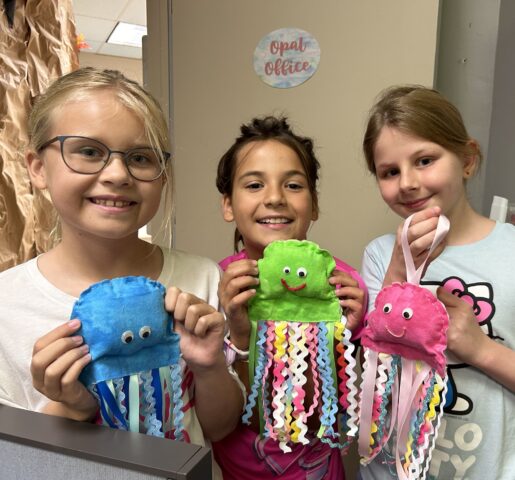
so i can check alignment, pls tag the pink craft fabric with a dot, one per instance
(409, 321)
(243, 455)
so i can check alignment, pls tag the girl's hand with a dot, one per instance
(200, 327)
(421, 233)
(351, 297)
(57, 361)
(465, 338)
(234, 291)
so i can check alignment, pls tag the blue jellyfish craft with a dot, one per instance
(135, 372)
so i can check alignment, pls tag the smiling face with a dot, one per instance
(270, 199)
(293, 284)
(298, 268)
(408, 320)
(414, 174)
(139, 334)
(110, 204)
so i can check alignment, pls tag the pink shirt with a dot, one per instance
(243, 455)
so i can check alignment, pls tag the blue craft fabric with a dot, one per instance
(108, 310)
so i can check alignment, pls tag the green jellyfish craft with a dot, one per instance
(297, 325)
(135, 372)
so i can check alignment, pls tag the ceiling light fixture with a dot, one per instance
(127, 34)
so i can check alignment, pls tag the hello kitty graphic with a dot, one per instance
(480, 297)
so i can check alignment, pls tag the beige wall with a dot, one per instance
(365, 46)
(130, 67)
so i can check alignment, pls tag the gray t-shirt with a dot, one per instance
(476, 438)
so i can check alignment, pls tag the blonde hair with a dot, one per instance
(421, 112)
(81, 84)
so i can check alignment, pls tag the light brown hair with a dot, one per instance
(421, 112)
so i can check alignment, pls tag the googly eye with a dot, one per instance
(407, 313)
(302, 272)
(144, 332)
(127, 336)
(287, 270)
(387, 308)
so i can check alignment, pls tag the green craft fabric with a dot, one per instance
(293, 284)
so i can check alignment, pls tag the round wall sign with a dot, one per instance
(286, 57)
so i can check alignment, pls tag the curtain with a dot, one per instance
(37, 45)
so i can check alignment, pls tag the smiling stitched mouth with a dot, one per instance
(400, 335)
(292, 289)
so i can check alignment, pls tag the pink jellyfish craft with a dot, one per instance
(404, 374)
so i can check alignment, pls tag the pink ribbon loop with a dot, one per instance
(413, 275)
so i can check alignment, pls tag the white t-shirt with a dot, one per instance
(30, 307)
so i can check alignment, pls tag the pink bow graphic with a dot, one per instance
(482, 307)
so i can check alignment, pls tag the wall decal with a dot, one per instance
(286, 57)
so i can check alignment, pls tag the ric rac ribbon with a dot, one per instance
(122, 401)
(283, 353)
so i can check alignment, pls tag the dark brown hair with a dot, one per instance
(261, 129)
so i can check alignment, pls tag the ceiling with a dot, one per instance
(96, 19)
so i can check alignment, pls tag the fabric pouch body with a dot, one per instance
(126, 327)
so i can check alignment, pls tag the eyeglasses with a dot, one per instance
(88, 156)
